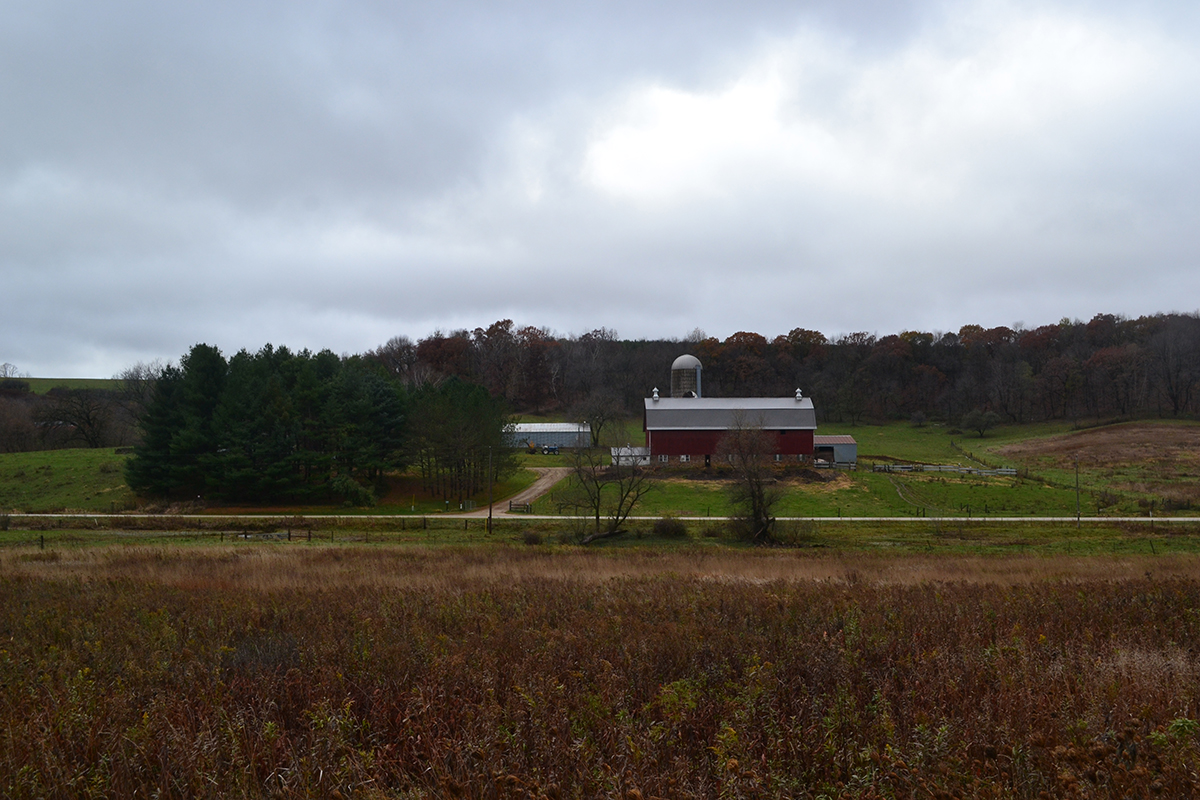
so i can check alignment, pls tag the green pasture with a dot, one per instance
(863, 494)
(92, 481)
(83, 480)
(937, 443)
(43, 385)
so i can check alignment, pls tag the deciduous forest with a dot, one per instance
(1109, 367)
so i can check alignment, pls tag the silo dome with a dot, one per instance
(685, 377)
(686, 362)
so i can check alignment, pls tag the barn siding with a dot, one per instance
(702, 443)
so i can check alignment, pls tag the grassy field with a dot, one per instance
(821, 538)
(92, 480)
(871, 494)
(935, 443)
(43, 385)
(1131, 469)
(502, 672)
(64, 480)
(1123, 470)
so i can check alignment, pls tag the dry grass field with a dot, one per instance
(498, 672)
(1151, 459)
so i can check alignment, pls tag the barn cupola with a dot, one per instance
(685, 377)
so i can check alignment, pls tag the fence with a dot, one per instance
(1009, 471)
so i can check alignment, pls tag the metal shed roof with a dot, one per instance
(833, 439)
(724, 413)
(551, 427)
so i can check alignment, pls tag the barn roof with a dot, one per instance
(723, 413)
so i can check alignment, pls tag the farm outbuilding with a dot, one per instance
(630, 456)
(837, 449)
(689, 426)
(550, 434)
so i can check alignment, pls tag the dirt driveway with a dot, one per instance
(547, 477)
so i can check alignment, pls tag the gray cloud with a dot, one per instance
(329, 175)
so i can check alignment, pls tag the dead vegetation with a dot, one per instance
(1133, 442)
(273, 569)
(1159, 460)
(513, 673)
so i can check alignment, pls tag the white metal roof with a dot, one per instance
(724, 413)
(551, 427)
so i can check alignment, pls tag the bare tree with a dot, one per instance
(601, 408)
(609, 491)
(1175, 355)
(135, 385)
(8, 370)
(86, 413)
(750, 451)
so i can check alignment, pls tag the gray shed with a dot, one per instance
(837, 449)
(550, 434)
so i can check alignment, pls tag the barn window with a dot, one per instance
(684, 459)
(778, 457)
(664, 459)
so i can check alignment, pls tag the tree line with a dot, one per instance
(1107, 367)
(308, 427)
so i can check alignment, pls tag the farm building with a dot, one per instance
(550, 434)
(688, 426)
(835, 449)
(630, 456)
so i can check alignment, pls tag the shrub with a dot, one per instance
(351, 491)
(531, 537)
(670, 528)
(795, 533)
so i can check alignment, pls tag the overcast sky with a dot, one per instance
(332, 174)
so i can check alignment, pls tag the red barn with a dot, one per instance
(690, 427)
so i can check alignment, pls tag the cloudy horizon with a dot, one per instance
(331, 175)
